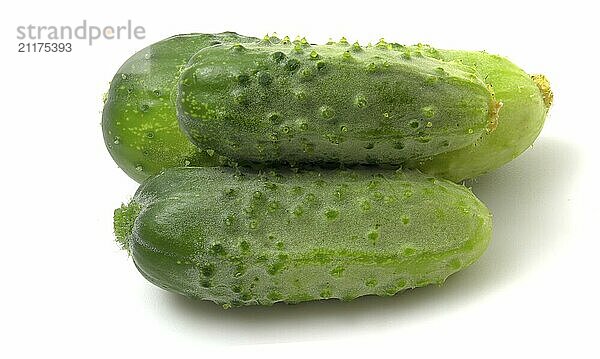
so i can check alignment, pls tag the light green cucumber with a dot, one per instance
(525, 101)
(139, 119)
(292, 102)
(242, 238)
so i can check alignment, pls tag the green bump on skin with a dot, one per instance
(139, 120)
(316, 245)
(383, 98)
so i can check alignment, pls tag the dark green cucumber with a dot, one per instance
(292, 102)
(139, 118)
(525, 102)
(245, 238)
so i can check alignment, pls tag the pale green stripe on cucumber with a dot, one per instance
(242, 238)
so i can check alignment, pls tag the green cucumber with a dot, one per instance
(139, 119)
(143, 143)
(292, 102)
(244, 238)
(525, 102)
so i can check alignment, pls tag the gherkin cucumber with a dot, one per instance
(143, 136)
(139, 120)
(292, 102)
(243, 238)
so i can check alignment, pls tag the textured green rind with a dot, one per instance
(520, 120)
(294, 103)
(243, 239)
(139, 120)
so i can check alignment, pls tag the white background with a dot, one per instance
(68, 291)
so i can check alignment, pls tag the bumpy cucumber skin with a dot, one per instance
(525, 103)
(139, 119)
(520, 119)
(244, 239)
(295, 103)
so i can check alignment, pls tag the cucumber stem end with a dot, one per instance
(544, 85)
(123, 220)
